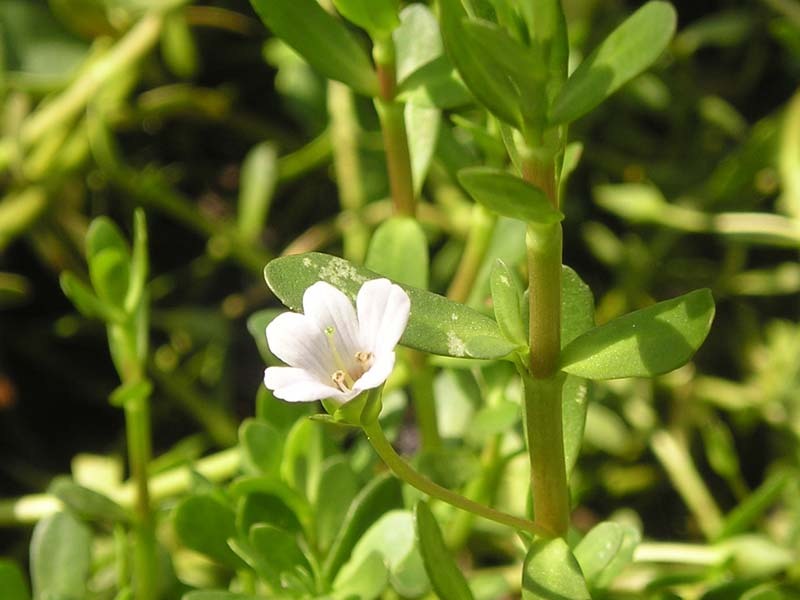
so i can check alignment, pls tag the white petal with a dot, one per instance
(329, 307)
(377, 373)
(298, 342)
(296, 385)
(383, 309)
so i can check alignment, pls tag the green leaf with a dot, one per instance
(552, 573)
(296, 504)
(279, 548)
(204, 524)
(378, 17)
(598, 548)
(393, 537)
(644, 343)
(399, 250)
(322, 40)
(446, 578)
(434, 85)
(547, 28)
(506, 304)
(574, 404)
(257, 326)
(422, 127)
(140, 263)
(627, 51)
(338, 487)
(417, 40)
(109, 271)
(261, 446)
(259, 178)
(60, 557)
(178, 47)
(577, 306)
(436, 324)
(85, 300)
(267, 509)
(508, 195)
(365, 580)
(377, 497)
(487, 79)
(623, 557)
(301, 466)
(85, 503)
(103, 234)
(12, 581)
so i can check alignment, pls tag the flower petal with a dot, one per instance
(298, 342)
(377, 373)
(296, 385)
(329, 307)
(383, 309)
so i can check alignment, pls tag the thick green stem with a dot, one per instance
(137, 425)
(344, 133)
(543, 383)
(393, 127)
(544, 287)
(404, 471)
(546, 450)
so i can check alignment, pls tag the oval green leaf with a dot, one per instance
(85, 503)
(399, 250)
(204, 524)
(627, 51)
(378, 17)
(596, 551)
(60, 557)
(506, 304)
(322, 40)
(551, 572)
(644, 343)
(446, 578)
(508, 195)
(483, 76)
(436, 324)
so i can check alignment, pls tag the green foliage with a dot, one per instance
(378, 17)
(627, 51)
(322, 40)
(12, 581)
(60, 557)
(551, 572)
(436, 325)
(399, 250)
(644, 343)
(509, 196)
(446, 578)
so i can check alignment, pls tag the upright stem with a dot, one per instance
(543, 383)
(345, 131)
(424, 399)
(137, 426)
(404, 471)
(393, 126)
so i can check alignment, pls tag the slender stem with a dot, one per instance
(480, 234)
(676, 460)
(344, 135)
(405, 472)
(69, 103)
(393, 127)
(424, 399)
(544, 288)
(543, 405)
(546, 450)
(137, 425)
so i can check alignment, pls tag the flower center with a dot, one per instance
(344, 378)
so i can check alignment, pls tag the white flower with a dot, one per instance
(331, 352)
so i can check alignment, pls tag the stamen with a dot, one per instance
(364, 359)
(341, 377)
